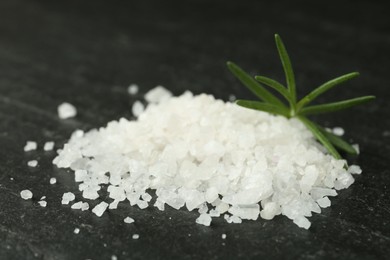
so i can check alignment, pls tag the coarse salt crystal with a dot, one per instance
(356, 147)
(66, 110)
(32, 163)
(157, 95)
(204, 219)
(30, 146)
(76, 230)
(133, 89)
(135, 236)
(354, 169)
(302, 222)
(53, 180)
(338, 131)
(42, 203)
(137, 108)
(26, 194)
(324, 202)
(128, 220)
(48, 146)
(67, 197)
(100, 208)
(223, 236)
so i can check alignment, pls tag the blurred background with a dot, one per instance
(88, 52)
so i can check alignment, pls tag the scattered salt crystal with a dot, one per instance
(137, 108)
(66, 110)
(159, 204)
(53, 180)
(26, 194)
(133, 89)
(48, 146)
(142, 204)
(43, 198)
(114, 257)
(302, 222)
(338, 131)
(223, 236)
(232, 98)
(204, 219)
(42, 203)
(100, 208)
(324, 202)
(77, 205)
(269, 211)
(128, 220)
(356, 147)
(30, 146)
(114, 204)
(76, 230)
(32, 163)
(135, 236)
(354, 169)
(84, 206)
(11, 178)
(67, 197)
(157, 95)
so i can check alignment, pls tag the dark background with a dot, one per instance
(87, 53)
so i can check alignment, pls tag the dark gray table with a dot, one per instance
(87, 52)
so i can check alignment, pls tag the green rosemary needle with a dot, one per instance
(299, 109)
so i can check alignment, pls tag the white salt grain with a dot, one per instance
(26, 194)
(76, 230)
(42, 203)
(32, 163)
(338, 131)
(53, 180)
(67, 197)
(357, 148)
(133, 89)
(77, 205)
(204, 219)
(48, 146)
(128, 220)
(66, 110)
(43, 198)
(84, 206)
(100, 208)
(354, 169)
(137, 108)
(30, 146)
(324, 202)
(302, 222)
(223, 236)
(135, 236)
(157, 95)
(114, 257)
(232, 98)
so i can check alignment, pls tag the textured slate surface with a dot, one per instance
(88, 53)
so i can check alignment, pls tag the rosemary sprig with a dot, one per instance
(299, 109)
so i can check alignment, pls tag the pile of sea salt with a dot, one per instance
(203, 154)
